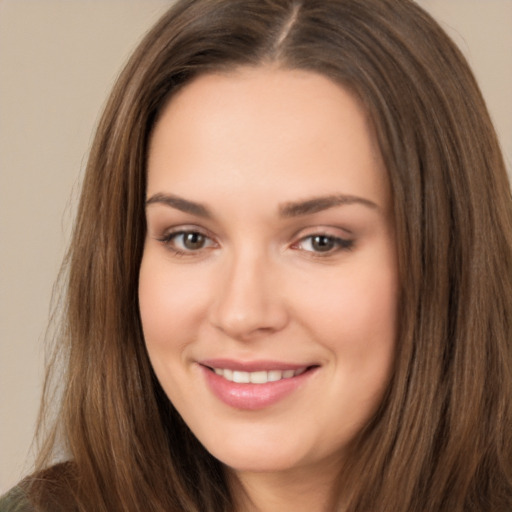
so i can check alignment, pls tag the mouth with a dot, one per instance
(255, 385)
(257, 377)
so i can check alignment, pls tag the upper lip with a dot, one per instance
(252, 366)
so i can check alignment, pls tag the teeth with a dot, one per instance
(259, 377)
(241, 377)
(274, 375)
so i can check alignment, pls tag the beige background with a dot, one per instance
(58, 59)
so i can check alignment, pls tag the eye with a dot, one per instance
(323, 244)
(184, 242)
(191, 241)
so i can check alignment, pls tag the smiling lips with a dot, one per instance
(248, 386)
(259, 377)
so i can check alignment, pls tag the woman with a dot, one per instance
(290, 278)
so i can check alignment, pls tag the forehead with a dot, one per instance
(265, 127)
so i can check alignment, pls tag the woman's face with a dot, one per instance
(268, 284)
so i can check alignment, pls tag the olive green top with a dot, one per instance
(15, 501)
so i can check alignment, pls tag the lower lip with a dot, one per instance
(252, 397)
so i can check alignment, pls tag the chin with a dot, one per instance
(258, 463)
(257, 454)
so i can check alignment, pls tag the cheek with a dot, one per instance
(354, 316)
(359, 329)
(170, 303)
(360, 306)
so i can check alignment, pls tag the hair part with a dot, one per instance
(441, 439)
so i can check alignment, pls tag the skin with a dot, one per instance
(247, 146)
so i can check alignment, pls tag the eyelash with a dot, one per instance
(338, 244)
(169, 239)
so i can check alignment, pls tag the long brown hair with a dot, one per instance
(441, 439)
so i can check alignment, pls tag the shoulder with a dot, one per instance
(48, 490)
(15, 501)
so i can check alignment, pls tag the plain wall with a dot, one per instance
(58, 60)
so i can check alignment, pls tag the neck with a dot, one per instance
(300, 490)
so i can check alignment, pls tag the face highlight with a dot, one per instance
(268, 284)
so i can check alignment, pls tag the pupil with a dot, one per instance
(193, 241)
(322, 243)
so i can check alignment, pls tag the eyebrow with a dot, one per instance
(288, 209)
(181, 204)
(318, 204)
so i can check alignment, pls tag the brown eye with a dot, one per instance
(322, 243)
(187, 242)
(193, 241)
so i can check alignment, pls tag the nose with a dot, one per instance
(249, 302)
